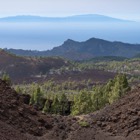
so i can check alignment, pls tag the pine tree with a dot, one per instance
(82, 103)
(32, 101)
(6, 78)
(18, 89)
(46, 107)
(64, 103)
(36, 97)
(120, 87)
(55, 109)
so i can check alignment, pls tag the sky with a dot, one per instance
(125, 9)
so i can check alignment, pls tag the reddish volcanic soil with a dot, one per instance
(19, 121)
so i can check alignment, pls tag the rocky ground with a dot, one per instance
(19, 121)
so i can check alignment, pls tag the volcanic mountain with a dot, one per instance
(91, 48)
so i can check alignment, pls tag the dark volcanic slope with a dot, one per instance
(25, 67)
(119, 121)
(86, 50)
(123, 117)
(19, 121)
(19, 116)
(9, 133)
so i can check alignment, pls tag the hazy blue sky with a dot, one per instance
(127, 9)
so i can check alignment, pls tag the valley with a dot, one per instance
(53, 97)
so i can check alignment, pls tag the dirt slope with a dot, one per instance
(20, 68)
(7, 132)
(22, 122)
(19, 116)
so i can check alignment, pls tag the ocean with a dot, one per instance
(46, 35)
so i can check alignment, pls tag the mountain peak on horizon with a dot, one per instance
(69, 41)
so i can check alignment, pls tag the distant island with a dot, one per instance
(75, 18)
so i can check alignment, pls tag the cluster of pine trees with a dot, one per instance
(85, 101)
